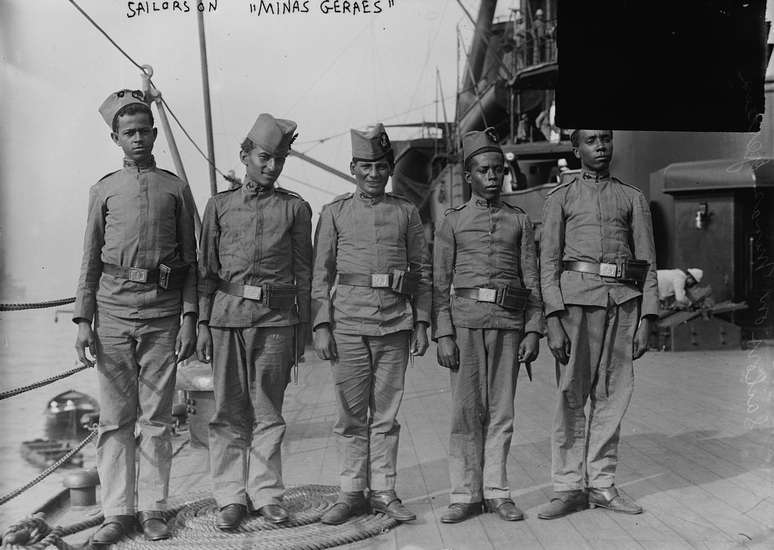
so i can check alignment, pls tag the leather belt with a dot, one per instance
(603, 269)
(374, 280)
(260, 293)
(479, 294)
(134, 274)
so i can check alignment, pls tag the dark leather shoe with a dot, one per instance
(504, 507)
(153, 525)
(388, 503)
(563, 503)
(460, 511)
(610, 498)
(230, 516)
(274, 513)
(348, 504)
(112, 530)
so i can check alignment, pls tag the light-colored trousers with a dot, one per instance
(251, 370)
(601, 368)
(369, 376)
(483, 389)
(136, 377)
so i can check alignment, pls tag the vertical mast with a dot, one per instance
(207, 107)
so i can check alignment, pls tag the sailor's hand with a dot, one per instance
(324, 344)
(529, 347)
(558, 342)
(186, 339)
(447, 353)
(85, 339)
(419, 343)
(640, 344)
(204, 344)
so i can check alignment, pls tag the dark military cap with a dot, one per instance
(273, 135)
(373, 144)
(476, 142)
(117, 101)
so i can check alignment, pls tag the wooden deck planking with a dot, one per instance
(704, 478)
(688, 509)
(641, 527)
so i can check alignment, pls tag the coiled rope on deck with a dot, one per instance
(45, 382)
(192, 524)
(36, 305)
(48, 471)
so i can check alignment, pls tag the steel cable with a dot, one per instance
(48, 471)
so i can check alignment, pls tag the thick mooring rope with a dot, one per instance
(36, 305)
(45, 382)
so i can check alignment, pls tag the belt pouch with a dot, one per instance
(513, 298)
(405, 282)
(634, 271)
(172, 275)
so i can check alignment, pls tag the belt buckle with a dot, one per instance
(252, 292)
(380, 280)
(487, 295)
(608, 270)
(138, 275)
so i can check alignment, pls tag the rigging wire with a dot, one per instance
(142, 69)
(430, 47)
(328, 68)
(321, 189)
(322, 140)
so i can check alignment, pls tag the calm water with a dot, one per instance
(32, 347)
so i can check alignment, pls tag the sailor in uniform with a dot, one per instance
(370, 246)
(598, 276)
(255, 274)
(485, 249)
(137, 277)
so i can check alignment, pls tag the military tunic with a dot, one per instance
(594, 218)
(139, 216)
(252, 238)
(358, 234)
(483, 244)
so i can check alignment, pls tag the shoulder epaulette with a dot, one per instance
(514, 207)
(107, 175)
(455, 208)
(228, 190)
(168, 172)
(401, 197)
(563, 185)
(284, 191)
(340, 198)
(627, 184)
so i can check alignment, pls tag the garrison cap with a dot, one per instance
(117, 101)
(373, 144)
(273, 135)
(476, 142)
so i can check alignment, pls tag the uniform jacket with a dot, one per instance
(484, 244)
(139, 216)
(596, 219)
(252, 239)
(357, 234)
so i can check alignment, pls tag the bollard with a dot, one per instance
(82, 485)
